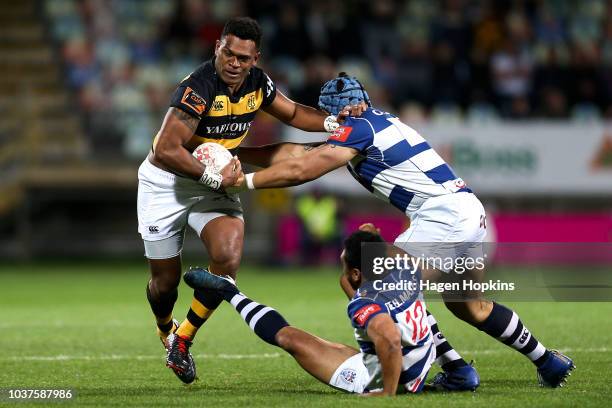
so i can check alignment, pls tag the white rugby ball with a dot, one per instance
(212, 155)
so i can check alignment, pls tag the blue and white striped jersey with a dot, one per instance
(398, 295)
(395, 162)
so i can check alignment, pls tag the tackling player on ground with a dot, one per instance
(391, 327)
(396, 163)
(215, 103)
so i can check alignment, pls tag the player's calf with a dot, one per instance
(161, 306)
(291, 340)
(223, 238)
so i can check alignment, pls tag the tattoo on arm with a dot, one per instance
(187, 119)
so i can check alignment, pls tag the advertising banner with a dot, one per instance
(504, 160)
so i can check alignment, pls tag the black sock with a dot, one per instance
(505, 325)
(446, 356)
(166, 327)
(162, 306)
(263, 320)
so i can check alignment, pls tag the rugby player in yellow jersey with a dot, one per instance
(215, 103)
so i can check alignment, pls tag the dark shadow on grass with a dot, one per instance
(307, 392)
(505, 383)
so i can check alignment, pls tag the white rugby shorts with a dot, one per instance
(447, 226)
(167, 203)
(352, 375)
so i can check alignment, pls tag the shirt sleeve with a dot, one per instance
(356, 133)
(192, 96)
(269, 90)
(361, 311)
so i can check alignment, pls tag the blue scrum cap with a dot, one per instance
(340, 92)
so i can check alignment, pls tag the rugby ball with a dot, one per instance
(212, 155)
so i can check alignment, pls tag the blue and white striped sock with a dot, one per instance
(505, 325)
(446, 356)
(262, 319)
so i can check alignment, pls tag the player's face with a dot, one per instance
(234, 58)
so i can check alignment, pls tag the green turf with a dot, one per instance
(97, 317)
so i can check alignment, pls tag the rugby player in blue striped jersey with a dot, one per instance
(395, 163)
(391, 326)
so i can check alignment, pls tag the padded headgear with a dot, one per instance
(340, 92)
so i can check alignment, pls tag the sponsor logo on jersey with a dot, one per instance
(228, 127)
(365, 312)
(459, 183)
(341, 134)
(153, 229)
(193, 100)
(251, 104)
(217, 105)
(348, 375)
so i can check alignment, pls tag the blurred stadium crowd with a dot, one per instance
(427, 60)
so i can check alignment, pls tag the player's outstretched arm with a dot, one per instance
(387, 342)
(315, 163)
(267, 155)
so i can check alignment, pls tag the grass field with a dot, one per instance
(87, 326)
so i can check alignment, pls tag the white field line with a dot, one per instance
(563, 350)
(118, 357)
(63, 324)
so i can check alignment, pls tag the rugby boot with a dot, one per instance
(179, 359)
(464, 378)
(555, 370)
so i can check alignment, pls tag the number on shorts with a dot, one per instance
(483, 221)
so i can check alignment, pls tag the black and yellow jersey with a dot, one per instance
(224, 118)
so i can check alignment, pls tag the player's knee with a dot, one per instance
(224, 245)
(226, 262)
(164, 285)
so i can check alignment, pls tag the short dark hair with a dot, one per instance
(244, 28)
(353, 251)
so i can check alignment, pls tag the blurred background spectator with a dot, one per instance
(515, 94)
(322, 227)
(439, 60)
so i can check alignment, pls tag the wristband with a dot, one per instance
(211, 179)
(249, 181)
(330, 123)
